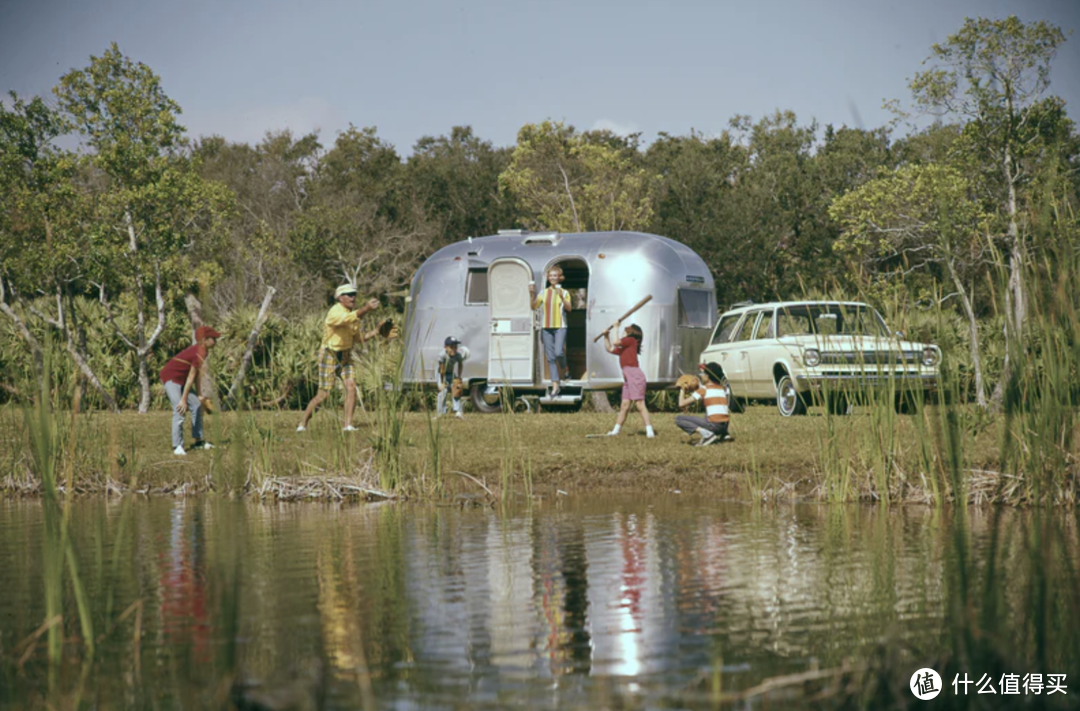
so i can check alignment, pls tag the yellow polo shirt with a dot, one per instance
(341, 328)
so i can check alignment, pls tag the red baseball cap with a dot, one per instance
(204, 332)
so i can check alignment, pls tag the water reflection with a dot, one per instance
(407, 606)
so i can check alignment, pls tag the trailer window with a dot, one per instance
(476, 287)
(695, 309)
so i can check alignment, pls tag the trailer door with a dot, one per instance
(511, 350)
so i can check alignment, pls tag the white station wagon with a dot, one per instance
(802, 352)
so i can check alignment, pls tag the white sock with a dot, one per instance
(649, 429)
(615, 429)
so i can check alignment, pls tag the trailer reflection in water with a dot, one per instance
(577, 605)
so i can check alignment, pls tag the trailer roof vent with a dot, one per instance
(542, 238)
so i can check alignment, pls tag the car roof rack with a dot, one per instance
(740, 304)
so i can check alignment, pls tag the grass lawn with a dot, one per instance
(772, 457)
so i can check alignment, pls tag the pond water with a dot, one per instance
(574, 603)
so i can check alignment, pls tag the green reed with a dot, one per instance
(49, 437)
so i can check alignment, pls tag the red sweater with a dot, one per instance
(178, 367)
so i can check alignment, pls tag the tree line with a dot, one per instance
(111, 253)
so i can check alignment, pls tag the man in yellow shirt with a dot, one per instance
(341, 330)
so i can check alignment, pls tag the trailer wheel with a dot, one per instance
(484, 402)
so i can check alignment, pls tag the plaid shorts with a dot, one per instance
(334, 363)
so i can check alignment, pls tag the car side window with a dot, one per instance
(764, 329)
(792, 324)
(747, 326)
(725, 329)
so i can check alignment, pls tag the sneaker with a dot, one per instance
(555, 391)
(202, 444)
(706, 441)
(179, 451)
(459, 415)
(349, 428)
(650, 435)
(728, 438)
(613, 433)
(301, 428)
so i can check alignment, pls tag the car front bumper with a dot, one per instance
(868, 381)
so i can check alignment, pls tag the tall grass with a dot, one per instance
(48, 432)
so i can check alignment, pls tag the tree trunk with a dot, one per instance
(973, 336)
(599, 401)
(252, 339)
(20, 325)
(194, 309)
(1015, 300)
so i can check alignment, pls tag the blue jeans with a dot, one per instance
(690, 425)
(174, 391)
(554, 340)
(448, 378)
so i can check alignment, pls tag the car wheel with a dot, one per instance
(483, 401)
(838, 403)
(735, 405)
(907, 403)
(789, 401)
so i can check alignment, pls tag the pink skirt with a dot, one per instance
(633, 383)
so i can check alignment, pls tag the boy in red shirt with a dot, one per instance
(179, 375)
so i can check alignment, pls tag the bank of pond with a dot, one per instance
(937, 455)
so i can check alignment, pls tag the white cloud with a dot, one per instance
(251, 125)
(619, 129)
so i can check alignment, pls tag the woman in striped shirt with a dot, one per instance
(714, 426)
(555, 302)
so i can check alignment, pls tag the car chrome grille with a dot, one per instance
(893, 358)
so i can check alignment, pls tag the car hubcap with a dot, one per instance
(787, 396)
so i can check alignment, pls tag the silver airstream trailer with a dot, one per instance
(477, 291)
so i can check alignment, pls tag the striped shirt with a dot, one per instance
(551, 300)
(716, 404)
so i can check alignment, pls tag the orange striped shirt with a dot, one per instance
(716, 404)
(551, 300)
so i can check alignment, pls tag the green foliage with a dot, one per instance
(455, 179)
(571, 182)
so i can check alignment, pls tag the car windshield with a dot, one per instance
(830, 320)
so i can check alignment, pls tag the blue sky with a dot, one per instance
(418, 67)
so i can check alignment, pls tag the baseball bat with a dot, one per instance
(625, 316)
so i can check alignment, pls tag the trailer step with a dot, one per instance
(560, 399)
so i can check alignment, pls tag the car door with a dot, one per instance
(737, 363)
(761, 354)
